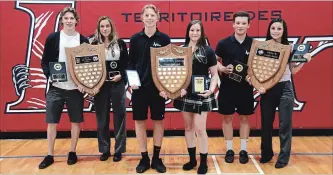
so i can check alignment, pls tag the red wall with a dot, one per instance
(24, 28)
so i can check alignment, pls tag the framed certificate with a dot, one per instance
(198, 84)
(133, 78)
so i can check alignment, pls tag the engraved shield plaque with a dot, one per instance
(267, 62)
(86, 65)
(171, 68)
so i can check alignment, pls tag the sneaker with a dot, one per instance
(48, 160)
(202, 169)
(243, 157)
(229, 156)
(280, 165)
(189, 165)
(158, 165)
(105, 156)
(72, 158)
(117, 157)
(143, 165)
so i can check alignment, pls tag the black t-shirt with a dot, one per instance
(201, 66)
(139, 53)
(229, 49)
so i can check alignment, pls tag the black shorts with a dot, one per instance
(236, 98)
(55, 100)
(145, 97)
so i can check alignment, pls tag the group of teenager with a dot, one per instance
(234, 97)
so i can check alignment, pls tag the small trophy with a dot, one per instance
(240, 71)
(112, 69)
(198, 84)
(299, 51)
(58, 71)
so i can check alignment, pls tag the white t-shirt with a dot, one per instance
(67, 41)
(108, 53)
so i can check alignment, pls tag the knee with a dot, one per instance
(76, 125)
(244, 120)
(227, 119)
(189, 128)
(52, 126)
(201, 131)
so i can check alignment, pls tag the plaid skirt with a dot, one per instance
(196, 104)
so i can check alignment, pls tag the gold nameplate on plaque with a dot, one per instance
(171, 68)
(267, 62)
(86, 64)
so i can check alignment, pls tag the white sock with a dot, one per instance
(243, 144)
(229, 145)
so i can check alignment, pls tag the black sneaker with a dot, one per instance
(189, 165)
(229, 156)
(202, 169)
(105, 156)
(143, 165)
(48, 160)
(243, 157)
(72, 158)
(280, 165)
(158, 165)
(117, 157)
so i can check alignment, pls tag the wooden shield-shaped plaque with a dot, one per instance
(86, 64)
(171, 68)
(267, 62)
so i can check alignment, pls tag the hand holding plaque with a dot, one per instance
(239, 71)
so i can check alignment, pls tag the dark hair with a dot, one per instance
(284, 38)
(200, 44)
(202, 39)
(242, 14)
(72, 10)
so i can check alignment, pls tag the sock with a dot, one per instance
(191, 152)
(243, 144)
(229, 145)
(145, 155)
(203, 159)
(157, 150)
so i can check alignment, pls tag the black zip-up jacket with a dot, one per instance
(51, 51)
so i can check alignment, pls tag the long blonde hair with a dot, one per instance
(113, 37)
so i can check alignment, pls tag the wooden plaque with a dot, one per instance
(267, 62)
(171, 68)
(86, 64)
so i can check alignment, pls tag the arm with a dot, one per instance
(295, 68)
(123, 57)
(218, 54)
(213, 82)
(131, 59)
(46, 56)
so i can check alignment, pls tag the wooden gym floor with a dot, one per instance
(310, 155)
